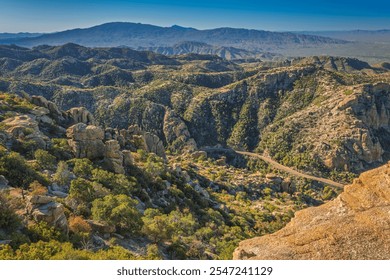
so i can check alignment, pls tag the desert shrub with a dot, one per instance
(45, 159)
(9, 221)
(37, 188)
(82, 190)
(118, 183)
(118, 210)
(18, 172)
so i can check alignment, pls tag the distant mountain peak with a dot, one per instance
(175, 26)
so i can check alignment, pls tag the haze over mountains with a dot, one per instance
(228, 43)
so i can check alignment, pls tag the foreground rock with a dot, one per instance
(45, 208)
(356, 225)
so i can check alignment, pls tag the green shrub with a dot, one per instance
(16, 169)
(118, 210)
(44, 159)
(9, 221)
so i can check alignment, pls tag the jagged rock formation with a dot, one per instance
(3, 182)
(86, 141)
(25, 127)
(356, 225)
(176, 132)
(54, 111)
(45, 208)
(81, 115)
(92, 142)
(113, 157)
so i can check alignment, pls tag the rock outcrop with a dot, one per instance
(25, 128)
(113, 157)
(54, 111)
(111, 145)
(3, 182)
(81, 115)
(86, 141)
(355, 225)
(45, 208)
(176, 133)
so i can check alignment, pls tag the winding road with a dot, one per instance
(282, 167)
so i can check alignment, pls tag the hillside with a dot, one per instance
(325, 115)
(94, 128)
(70, 189)
(229, 53)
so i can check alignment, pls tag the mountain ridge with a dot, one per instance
(137, 34)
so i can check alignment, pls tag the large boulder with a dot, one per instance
(45, 208)
(86, 141)
(81, 115)
(353, 226)
(26, 128)
(54, 111)
(3, 182)
(154, 144)
(113, 157)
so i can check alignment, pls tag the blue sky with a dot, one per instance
(274, 15)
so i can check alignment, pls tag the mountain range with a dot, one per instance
(144, 35)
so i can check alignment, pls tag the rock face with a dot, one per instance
(356, 225)
(3, 182)
(44, 208)
(54, 111)
(113, 157)
(86, 141)
(154, 144)
(81, 115)
(92, 142)
(176, 132)
(25, 127)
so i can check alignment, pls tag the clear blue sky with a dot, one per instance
(275, 15)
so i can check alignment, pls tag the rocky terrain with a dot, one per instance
(72, 189)
(355, 225)
(326, 115)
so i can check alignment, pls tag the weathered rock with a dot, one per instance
(113, 157)
(3, 182)
(86, 141)
(353, 226)
(41, 199)
(154, 144)
(81, 115)
(202, 191)
(54, 112)
(25, 128)
(44, 208)
(127, 158)
(176, 133)
(287, 186)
